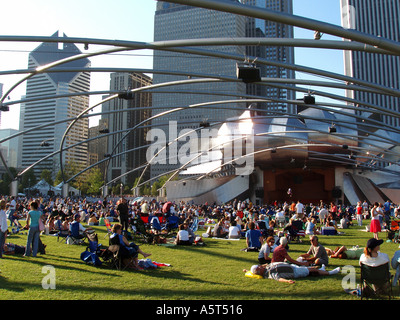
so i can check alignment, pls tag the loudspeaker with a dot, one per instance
(248, 73)
(259, 193)
(336, 193)
(308, 99)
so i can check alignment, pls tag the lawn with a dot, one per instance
(212, 272)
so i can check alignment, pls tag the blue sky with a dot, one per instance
(123, 20)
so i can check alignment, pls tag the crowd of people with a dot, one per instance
(266, 229)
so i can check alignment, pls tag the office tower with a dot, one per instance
(130, 151)
(379, 18)
(9, 148)
(35, 111)
(175, 21)
(269, 29)
(97, 147)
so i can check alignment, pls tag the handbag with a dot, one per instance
(41, 225)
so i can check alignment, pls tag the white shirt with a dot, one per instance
(183, 235)
(323, 213)
(382, 258)
(13, 204)
(3, 221)
(234, 232)
(299, 208)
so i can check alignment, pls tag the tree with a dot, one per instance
(6, 181)
(95, 181)
(47, 176)
(28, 179)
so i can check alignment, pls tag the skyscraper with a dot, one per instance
(176, 21)
(39, 143)
(122, 121)
(379, 18)
(269, 29)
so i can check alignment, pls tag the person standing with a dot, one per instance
(299, 210)
(3, 226)
(323, 214)
(123, 212)
(359, 212)
(375, 226)
(32, 223)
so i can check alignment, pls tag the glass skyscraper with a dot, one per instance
(176, 21)
(39, 143)
(379, 18)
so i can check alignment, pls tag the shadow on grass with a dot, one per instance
(217, 293)
(210, 245)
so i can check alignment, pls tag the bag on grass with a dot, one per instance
(90, 258)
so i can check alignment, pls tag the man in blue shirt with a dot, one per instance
(253, 237)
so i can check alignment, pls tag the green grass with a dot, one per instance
(212, 272)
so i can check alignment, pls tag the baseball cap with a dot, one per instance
(373, 243)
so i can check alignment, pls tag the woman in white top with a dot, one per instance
(234, 231)
(372, 256)
(182, 237)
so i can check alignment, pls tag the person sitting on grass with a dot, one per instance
(266, 250)
(130, 250)
(316, 254)
(280, 254)
(285, 272)
(219, 230)
(253, 238)
(182, 238)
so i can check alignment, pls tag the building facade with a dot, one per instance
(39, 143)
(176, 22)
(130, 150)
(379, 18)
(262, 28)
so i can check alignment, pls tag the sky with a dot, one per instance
(131, 20)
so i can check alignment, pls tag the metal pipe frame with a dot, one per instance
(302, 22)
(367, 43)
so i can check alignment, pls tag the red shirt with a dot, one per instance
(279, 254)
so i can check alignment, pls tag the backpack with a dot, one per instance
(90, 258)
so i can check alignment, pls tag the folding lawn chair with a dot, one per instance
(296, 231)
(141, 232)
(75, 235)
(119, 253)
(376, 281)
(62, 234)
(94, 245)
(155, 224)
(172, 223)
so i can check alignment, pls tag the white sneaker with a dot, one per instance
(334, 271)
(322, 268)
